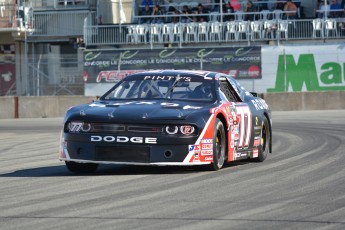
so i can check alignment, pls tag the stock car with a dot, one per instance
(168, 117)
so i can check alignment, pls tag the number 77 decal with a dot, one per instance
(245, 125)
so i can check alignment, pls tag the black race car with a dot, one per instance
(168, 117)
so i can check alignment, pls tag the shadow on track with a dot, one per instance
(113, 170)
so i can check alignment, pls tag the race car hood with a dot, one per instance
(137, 110)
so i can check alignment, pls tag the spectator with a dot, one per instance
(280, 5)
(335, 9)
(262, 6)
(228, 9)
(216, 6)
(291, 9)
(186, 11)
(324, 7)
(157, 13)
(146, 12)
(272, 5)
(201, 10)
(235, 5)
(249, 9)
(146, 2)
(175, 18)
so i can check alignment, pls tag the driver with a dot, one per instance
(202, 91)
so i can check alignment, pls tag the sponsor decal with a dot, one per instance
(257, 142)
(256, 153)
(206, 152)
(206, 146)
(232, 144)
(257, 131)
(194, 148)
(191, 107)
(166, 104)
(168, 78)
(206, 141)
(209, 158)
(124, 139)
(241, 155)
(259, 104)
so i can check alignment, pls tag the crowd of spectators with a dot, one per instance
(166, 11)
(331, 9)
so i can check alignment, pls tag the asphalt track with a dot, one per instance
(300, 186)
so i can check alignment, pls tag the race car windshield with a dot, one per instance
(163, 87)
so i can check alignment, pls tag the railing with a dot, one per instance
(214, 31)
(62, 4)
(25, 14)
(8, 15)
(66, 23)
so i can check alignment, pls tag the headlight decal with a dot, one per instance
(181, 129)
(187, 129)
(171, 129)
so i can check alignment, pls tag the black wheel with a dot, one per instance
(219, 146)
(265, 140)
(81, 167)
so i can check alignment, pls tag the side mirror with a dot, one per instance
(254, 94)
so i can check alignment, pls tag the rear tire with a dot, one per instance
(219, 146)
(265, 140)
(81, 168)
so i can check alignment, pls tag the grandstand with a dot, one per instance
(79, 47)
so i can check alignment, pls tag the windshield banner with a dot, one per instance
(113, 65)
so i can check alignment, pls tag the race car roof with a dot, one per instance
(177, 72)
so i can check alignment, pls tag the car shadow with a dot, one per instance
(104, 170)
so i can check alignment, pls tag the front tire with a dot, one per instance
(81, 168)
(265, 140)
(219, 146)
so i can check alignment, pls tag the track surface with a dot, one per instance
(300, 186)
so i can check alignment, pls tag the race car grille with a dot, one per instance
(108, 128)
(120, 128)
(123, 154)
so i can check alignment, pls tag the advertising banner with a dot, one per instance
(112, 65)
(303, 68)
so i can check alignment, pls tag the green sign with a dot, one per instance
(305, 73)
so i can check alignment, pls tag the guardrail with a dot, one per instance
(214, 31)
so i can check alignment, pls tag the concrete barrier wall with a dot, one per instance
(305, 100)
(55, 106)
(37, 107)
(48, 106)
(7, 107)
